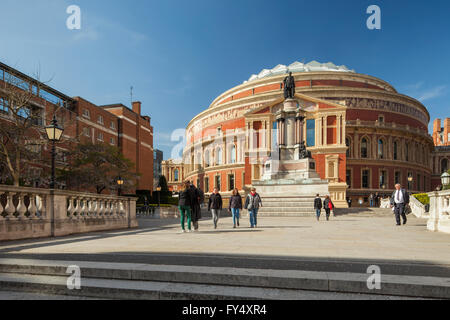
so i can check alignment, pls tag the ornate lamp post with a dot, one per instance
(445, 179)
(159, 196)
(410, 180)
(120, 183)
(54, 134)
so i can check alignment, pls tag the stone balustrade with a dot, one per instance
(34, 213)
(439, 211)
(418, 209)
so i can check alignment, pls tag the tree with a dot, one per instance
(22, 128)
(98, 166)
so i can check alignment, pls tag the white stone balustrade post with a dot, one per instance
(70, 208)
(41, 203)
(32, 209)
(21, 207)
(10, 209)
(101, 208)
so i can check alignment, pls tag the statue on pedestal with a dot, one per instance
(289, 86)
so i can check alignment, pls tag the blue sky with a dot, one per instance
(180, 55)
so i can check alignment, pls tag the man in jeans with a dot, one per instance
(318, 206)
(215, 206)
(252, 204)
(399, 201)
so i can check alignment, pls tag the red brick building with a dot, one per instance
(441, 154)
(363, 134)
(82, 120)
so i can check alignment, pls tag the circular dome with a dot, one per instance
(312, 66)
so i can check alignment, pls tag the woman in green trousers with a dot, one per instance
(184, 205)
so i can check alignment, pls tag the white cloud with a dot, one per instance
(433, 93)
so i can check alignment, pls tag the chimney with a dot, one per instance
(137, 107)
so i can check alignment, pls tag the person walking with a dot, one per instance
(318, 206)
(252, 204)
(399, 201)
(328, 206)
(184, 206)
(215, 206)
(377, 200)
(235, 206)
(371, 199)
(198, 197)
(349, 201)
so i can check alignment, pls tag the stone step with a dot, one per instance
(288, 204)
(143, 281)
(285, 209)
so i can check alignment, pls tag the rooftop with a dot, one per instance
(295, 67)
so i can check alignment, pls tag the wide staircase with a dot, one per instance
(278, 206)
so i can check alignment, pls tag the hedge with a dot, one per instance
(423, 198)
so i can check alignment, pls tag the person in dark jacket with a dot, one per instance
(328, 206)
(252, 204)
(184, 206)
(318, 206)
(235, 206)
(198, 198)
(215, 206)
(399, 202)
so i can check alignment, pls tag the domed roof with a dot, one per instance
(312, 66)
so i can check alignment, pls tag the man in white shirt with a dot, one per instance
(399, 200)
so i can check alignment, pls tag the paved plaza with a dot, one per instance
(217, 264)
(348, 237)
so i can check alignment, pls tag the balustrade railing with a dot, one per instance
(22, 209)
(439, 211)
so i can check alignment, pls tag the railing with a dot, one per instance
(439, 211)
(33, 213)
(417, 208)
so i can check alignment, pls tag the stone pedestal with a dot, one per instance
(291, 176)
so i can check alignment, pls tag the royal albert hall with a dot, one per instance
(363, 135)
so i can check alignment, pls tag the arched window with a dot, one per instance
(444, 165)
(176, 175)
(348, 143)
(233, 154)
(395, 153)
(218, 156)
(380, 149)
(364, 148)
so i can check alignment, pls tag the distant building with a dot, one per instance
(441, 154)
(158, 157)
(364, 136)
(116, 125)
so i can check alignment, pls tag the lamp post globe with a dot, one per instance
(445, 179)
(120, 183)
(54, 134)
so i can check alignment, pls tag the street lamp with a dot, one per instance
(445, 179)
(159, 196)
(54, 134)
(120, 183)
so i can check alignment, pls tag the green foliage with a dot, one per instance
(423, 198)
(98, 166)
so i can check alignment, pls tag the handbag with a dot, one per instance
(408, 209)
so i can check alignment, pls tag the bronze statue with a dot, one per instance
(303, 153)
(289, 86)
